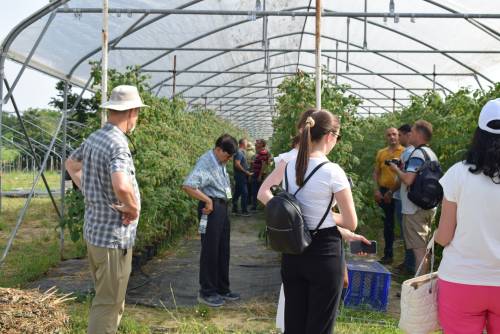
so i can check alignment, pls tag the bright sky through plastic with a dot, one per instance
(34, 89)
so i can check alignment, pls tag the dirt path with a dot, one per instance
(172, 279)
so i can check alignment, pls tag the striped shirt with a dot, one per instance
(105, 152)
(209, 176)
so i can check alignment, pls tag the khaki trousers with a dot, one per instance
(110, 269)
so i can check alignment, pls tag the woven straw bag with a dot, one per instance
(419, 312)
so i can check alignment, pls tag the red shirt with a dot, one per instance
(261, 157)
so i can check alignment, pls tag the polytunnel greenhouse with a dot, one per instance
(248, 68)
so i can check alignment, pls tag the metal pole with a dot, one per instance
(283, 13)
(63, 169)
(336, 61)
(318, 54)
(434, 77)
(29, 140)
(30, 55)
(35, 180)
(175, 68)
(104, 64)
(30, 196)
(365, 43)
(393, 100)
(347, 44)
(205, 103)
(1, 116)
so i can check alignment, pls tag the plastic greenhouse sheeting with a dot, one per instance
(463, 51)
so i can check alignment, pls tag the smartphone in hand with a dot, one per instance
(358, 246)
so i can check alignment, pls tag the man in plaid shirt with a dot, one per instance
(103, 169)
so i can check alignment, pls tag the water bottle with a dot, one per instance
(203, 224)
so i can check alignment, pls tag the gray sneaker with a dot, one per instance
(213, 301)
(231, 296)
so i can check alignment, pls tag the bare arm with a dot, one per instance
(447, 223)
(124, 191)
(375, 175)
(351, 236)
(347, 211)
(199, 195)
(264, 194)
(74, 169)
(406, 177)
(237, 164)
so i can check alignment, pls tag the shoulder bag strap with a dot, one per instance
(430, 249)
(310, 175)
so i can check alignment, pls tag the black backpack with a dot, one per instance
(286, 229)
(426, 191)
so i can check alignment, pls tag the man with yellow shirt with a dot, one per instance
(386, 182)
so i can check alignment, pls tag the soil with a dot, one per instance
(171, 279)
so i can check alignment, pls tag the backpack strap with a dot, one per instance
(310, 175)
(286, 178)
(305, 181)
(426, 156)
(324, 216)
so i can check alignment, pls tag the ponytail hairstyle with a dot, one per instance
(303, 118)
(316, 125)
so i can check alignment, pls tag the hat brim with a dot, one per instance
(122, 106)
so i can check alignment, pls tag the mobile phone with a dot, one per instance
(358, 246)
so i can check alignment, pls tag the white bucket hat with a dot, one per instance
(490, 112)
(124, 97)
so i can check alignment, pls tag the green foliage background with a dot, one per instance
(168, 142)
(454, 120)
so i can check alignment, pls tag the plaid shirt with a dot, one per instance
(209, 176)
(105, 152)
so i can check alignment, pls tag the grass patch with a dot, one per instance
(256, 316)
(23, 180)
(36, 246)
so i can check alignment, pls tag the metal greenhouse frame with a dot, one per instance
(233, 63)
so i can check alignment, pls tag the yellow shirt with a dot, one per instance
(386, 177)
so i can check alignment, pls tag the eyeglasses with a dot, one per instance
(228, 155)
(336, 134)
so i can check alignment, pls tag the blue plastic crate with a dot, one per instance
(369, 284)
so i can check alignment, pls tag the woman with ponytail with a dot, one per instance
(313, 280)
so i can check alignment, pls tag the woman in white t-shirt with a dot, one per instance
(313, 280)
(469, 229)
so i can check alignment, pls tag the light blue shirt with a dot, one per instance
(105, 152)
(209, 176)
(404, 157)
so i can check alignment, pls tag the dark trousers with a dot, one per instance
(313, 286)
(250, 191)
(255, 189)
(214, 257)
(389, 210)
(240, 190)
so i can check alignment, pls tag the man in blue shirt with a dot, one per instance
(241, 175)
(209, 183)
